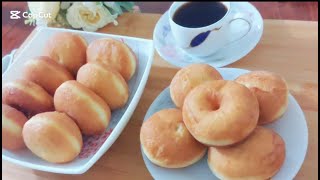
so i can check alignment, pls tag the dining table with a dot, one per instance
(287, 47)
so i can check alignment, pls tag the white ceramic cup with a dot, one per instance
(207, 40)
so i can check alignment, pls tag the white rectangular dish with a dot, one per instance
(94, 146)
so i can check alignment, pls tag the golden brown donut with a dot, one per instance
(189, 77)
(166, 141)
(271, 91)
(259, 157)
(105, 82)
(220, 113)
(12, 124)
(46, 72)
(115, 54)
(53, 136)
(88, 110)
(68, 49)
(27, 96)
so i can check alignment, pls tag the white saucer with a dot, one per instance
(292, 127)
(165, 44)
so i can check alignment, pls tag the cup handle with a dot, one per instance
(237, 17)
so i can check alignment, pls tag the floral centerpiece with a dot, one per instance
(89, 16)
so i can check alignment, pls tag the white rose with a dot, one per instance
(90, 5)
(51, 8)
(65, 4)
(89, 17)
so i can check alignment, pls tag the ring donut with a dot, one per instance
(189, 77)
(260, 156)
(166, 141)
(220, 113)
(271, 91)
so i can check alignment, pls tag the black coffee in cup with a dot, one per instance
(199, 14)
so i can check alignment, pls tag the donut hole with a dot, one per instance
(215, 105)
(214, 101)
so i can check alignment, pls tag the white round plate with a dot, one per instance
(292, 127)
(7, 60)
(165, 44)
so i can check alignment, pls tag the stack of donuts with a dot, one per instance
(222, 117)
(68, 92)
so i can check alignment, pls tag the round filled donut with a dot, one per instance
(12, 124)
(189, 77)
(26, 96)
(90, 112)
(220, 113)
(53, 136)
(46, 72)
(271, 91)
(166, 141)
(260, 156)
(105, 82)
(115, 54)
(68, 49)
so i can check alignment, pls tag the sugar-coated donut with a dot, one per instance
(91, 113)
(27, 96)
(114, 53)
(12, 124)
(166, 141)
(68, 49)
(189, 77)
(105, 82)
(53, 136)
(46, 72)
(220, 113)
(271, 91)
(259, 157)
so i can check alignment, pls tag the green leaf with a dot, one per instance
(128, 6)
(100, 3)
(115, 8)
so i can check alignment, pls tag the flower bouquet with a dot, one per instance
(89, 16)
